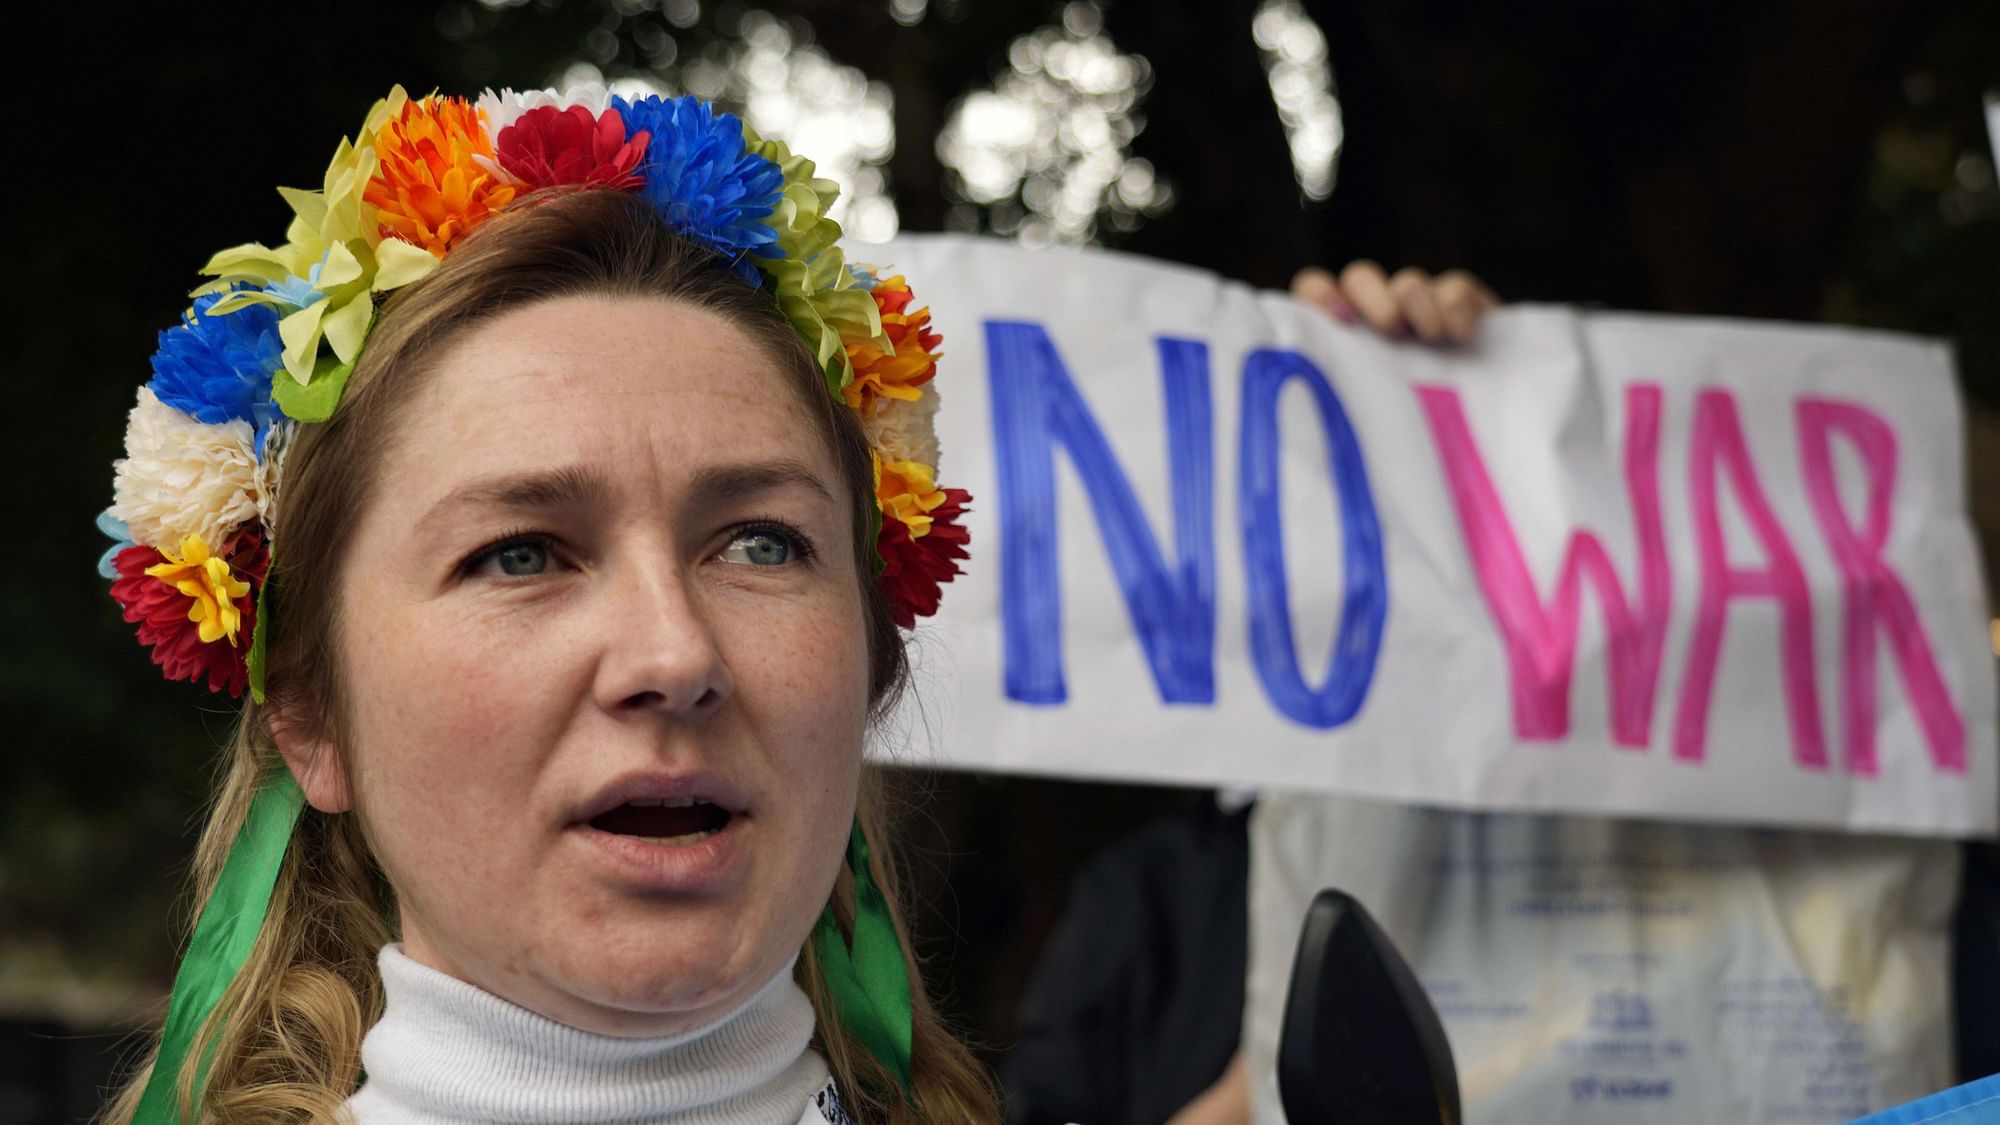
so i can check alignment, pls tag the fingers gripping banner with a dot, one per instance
(1610, 563)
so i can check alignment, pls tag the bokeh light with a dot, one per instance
(1296, 64)
(769, 70)
(1044, 154)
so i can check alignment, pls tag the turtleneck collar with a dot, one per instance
(445, 1051)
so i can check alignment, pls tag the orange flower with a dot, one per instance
(896, 374)
(431, 186)
(907, 492)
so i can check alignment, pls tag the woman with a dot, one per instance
(563, 607)
(572, 633)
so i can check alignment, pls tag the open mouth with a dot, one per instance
(668, 821)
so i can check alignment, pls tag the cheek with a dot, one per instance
(813, 684)
(444, 737)
(805, 687)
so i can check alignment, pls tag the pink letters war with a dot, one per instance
(1540, 636)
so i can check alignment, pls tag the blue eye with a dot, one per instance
(516, 558)
(765, 546)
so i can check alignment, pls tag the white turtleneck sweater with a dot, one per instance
(447, 1052)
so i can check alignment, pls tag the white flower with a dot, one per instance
(181, 477)
(904, 431)
(502, 108)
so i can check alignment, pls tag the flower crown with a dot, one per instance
(269, 343)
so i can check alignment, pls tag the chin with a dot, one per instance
(694, 973)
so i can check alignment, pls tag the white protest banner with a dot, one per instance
(1612, 563)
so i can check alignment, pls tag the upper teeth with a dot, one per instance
(667, 802)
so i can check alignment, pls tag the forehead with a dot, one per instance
(631, 384)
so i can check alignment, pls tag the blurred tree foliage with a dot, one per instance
(1789, 160)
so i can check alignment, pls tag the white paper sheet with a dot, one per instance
(1591, 970)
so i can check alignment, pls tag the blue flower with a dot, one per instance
(218, 368)
(121, 538)
(699, 176)
(298, 292)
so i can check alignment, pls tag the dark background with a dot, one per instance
(1822, 161)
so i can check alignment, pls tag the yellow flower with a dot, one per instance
(824, 302)
(800, 216)
(908, 491)
(206, 579)
(826, 307)
(337, 232)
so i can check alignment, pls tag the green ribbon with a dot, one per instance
(223, 937)
(870, 984)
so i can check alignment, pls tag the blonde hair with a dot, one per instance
(286, 1035)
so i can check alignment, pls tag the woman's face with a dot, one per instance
(602, 644)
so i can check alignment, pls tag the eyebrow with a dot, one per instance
(573, 486)
(723, 483)
(569, 486)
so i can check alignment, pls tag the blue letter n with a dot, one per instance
(1036, 407)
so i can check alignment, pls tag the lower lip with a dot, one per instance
(707, 864)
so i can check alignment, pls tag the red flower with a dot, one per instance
(161, 612)
(548, 146)
(914, 569)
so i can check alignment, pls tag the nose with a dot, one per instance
(660, 652)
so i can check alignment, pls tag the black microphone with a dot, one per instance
(1361, 1044)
